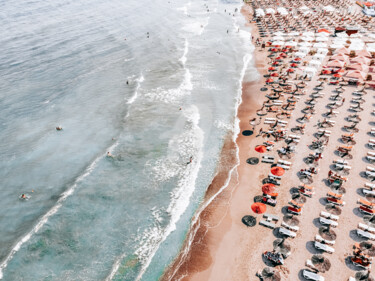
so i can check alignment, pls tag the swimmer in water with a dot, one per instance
(58, 128)
(191, 160)
(109, 154)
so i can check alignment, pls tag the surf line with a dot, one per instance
(139, 82)
(53, 210)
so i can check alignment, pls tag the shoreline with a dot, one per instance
(196, 254)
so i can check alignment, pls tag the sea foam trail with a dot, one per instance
(139, 82)
(189, 143)
(54, 209)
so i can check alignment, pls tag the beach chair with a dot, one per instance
(320, 239)
(371, 143)
(309, 275)
(340, 161)
(366, 203)
(329, 216)
(366, 211)
(364, 234)
(334, 195)
(267, 224)
(370, 156)
(306, 190)
(268, 159)
(309, 264)
(295, 204)
(335, 201)
(289, 227)
(352, 279)
(270, 217)
(294, 211)
(324, 247)
(367, 228)
(324, 132)
(368, 192)
(287, 232)
(370, 186)
(370, 169)
(325, 221)
(372, 132)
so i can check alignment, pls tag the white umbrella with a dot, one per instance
(329, 8)
(319, 57)
(278, 38)
(342, 35)
(279, 33)
(305, 44)
(315, 63)
(322, 51)
(280, 43)
(291, 43)
(270, 11)
(307, 38)
(372, 35)
(309, 71)
(293, 33)
(308, 34)
(371, 49)
(336, 46)
(356, 41)
(321, 38)
(260, 12)
(356, 47)
(300, 54)
(320, 45)
(303, 8)
(304, 50)
(282, 11)
(355, 35)
(322, 34)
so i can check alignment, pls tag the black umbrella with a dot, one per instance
(247, 132)
(367, 248)
(270, 274)
(370, 220)
(333, 209)
(291, 219)
(252, 161)
(299, 198)
(327, 233)
(363, 276)
(249, 220)
(321, 263)
(281, 246)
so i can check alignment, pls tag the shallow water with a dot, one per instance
(92, 217)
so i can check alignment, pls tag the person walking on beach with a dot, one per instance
(190, 160)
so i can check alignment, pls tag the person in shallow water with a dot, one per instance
(109, 154)
(191, 160)
(58, 128)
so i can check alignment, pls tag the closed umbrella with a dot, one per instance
(299, 198)
(258, 208)
(321, 263)
(370, 220)
(333, 209)
(291, 219)
(370, 198)
(281, 246)
(367, 248)
(261, 149)
(364, 276)
(277, 171)
(270, 274)
(327, 233)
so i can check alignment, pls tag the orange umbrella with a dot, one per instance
(258, 208)
(269, 80)
(268, 188)
(275, 74)
(260, 148)
(337, 75)
(323, 30)
(290, 70)
(326, 72)
(277, 171)
(271, 68)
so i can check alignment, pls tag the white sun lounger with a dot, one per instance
(312, 276)
(365, 234)
(367, 228)
(320, 239)
(366, 191)
(328, 222)
(268, 159)
(283, 162)
(287, 232)
(267, 224)
(329, 216)
(324, 247)
(370, 185)
(292, 228)
(370, 169)
(341, 162)
(352, 279)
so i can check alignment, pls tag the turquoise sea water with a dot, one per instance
(153, 83)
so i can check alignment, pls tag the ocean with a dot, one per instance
(154, 83)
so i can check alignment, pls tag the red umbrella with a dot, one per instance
(258, 208)
(260, 148)
(297, 59)
(275, 74)
(326, 72)
(268, 188)
(275, 63)
(341, 70)
(290, 70)
(277, 171)
(294, 65)
(337, 75)
(271, 68)
(283, 55)
(269, 80)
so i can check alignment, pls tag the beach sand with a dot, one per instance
(225, 249)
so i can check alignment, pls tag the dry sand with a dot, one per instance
(225, 249)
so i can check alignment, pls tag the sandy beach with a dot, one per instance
(224, 248)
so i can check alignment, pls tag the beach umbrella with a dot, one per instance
(293, 64)
(249, 220)
(269, 80)
(247, 132)
(290, 70)
(321, 263)
(333, 209)
(364, 276)
(252, 161)
(326, 72)
(270, 274)
(258, 208)
(275, 63)
(297, 59)
(337, 75)
(271, 68)
(367, 248)
(281, 246)
(323, 30)
(275, 74)
(339, 190)
(291, 219)
(370, 220)
(268, 188)
(277, 171)
(260, 148)
(327, 233)
(299, 198)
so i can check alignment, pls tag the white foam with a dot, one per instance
(196, 26)
(186, 50)
(139, 82)
(185, 145)
(53, 210)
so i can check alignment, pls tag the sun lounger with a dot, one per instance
(329, 216)
(352, 279)
(287, 232)
(324, 247)
(370, 169)
(334, 195)
(341, 162)
(285, 167)
(372, 132)
(271, 176)
(267, 224)
(295, 204)
(328, 222)
(368, 192)
(312, 276)
(365, 234)
(342, 167)
(367, 228)
(289, 227)
(370, 185)
(283, 162)
(271, 217)
(366, 203)
(295, 211)
(268, 159)
(325, 132)
(366, 210)
(335, 201)
(320, 239)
